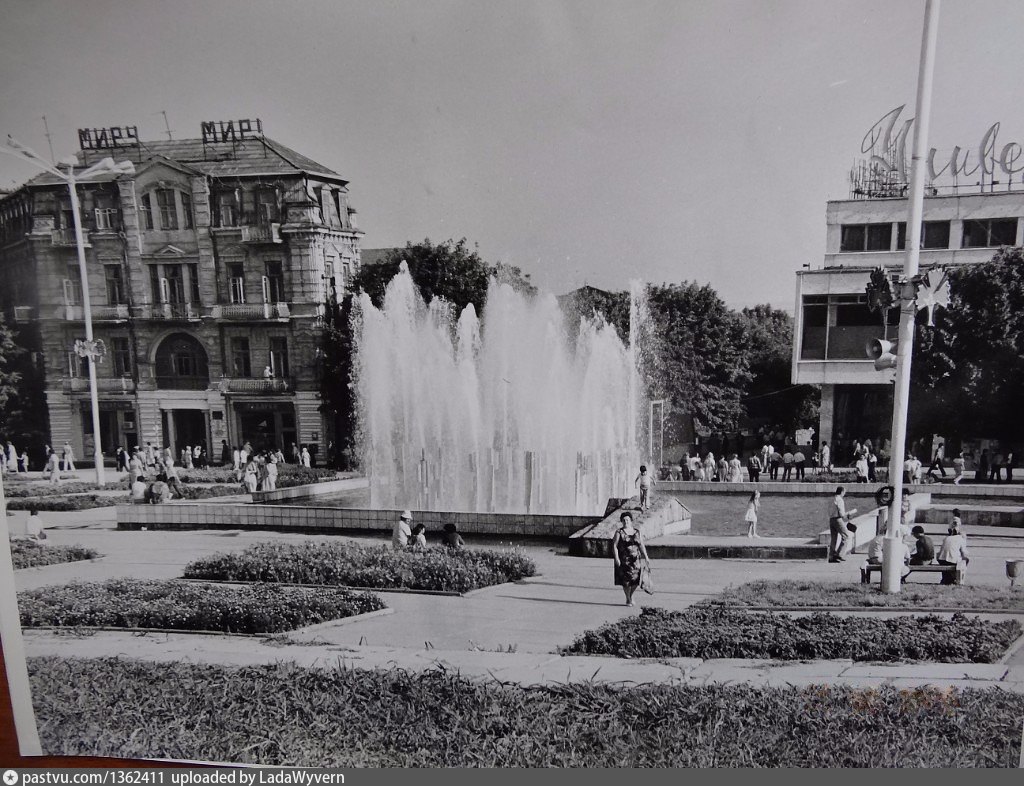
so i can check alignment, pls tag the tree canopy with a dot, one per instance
(968, 370)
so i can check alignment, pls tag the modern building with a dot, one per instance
(963, 223)
(209, 270)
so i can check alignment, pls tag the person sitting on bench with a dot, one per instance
(952, 552)
(924, 554)
(876, 546)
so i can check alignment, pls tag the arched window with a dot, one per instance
(181, 363)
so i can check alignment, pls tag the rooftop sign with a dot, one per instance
(887, 169)
(111, 138)
(215, 131)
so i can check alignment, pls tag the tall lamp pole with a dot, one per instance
(89, 348)
(892, 563)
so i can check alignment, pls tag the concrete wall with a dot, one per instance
(284, 518)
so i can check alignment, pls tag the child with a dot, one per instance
(753, 506)
(957, 523)
(644, 481)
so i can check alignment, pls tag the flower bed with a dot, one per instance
(62, 504)
(715, 632)
(819, 593)
(31, 554)
(349, 564)
(355, 718)
(287, 475)
(39, 490)
(175, 605)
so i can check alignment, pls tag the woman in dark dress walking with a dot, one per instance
(627, 549)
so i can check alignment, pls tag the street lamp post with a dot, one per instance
(89, 348)
(892, 564)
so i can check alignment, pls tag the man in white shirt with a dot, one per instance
(403, 531)
(838, 517)
(953, 552)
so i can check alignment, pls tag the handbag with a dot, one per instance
(646, 580)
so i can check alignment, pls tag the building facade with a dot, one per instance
(833, 322)
(209, 270)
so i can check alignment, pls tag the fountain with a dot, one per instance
(504, 414)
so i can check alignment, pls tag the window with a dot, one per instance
(115, 284)
(346, 274)
(193, 278)
(168, 209)
(279, 356)
(188, 222)
(240, 366)
(274, 284)
(267, 210)
(815, 330)
(237, 272)
(175, 278)
(121, 353)
(227, 208)
(67, 215)
(73, 286)
(866, 237)
(934, 234)
(837, 327)
(147, 211)
(990, 232)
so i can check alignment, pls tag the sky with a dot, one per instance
(586, 142)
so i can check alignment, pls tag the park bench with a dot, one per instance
(957, 570)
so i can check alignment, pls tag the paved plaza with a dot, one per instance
(509, 632)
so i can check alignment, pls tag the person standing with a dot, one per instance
(995, 474)
(627, 550)
(402, 531)
(1009, 465)
(69, 456)
(838, 518)
(271, 482)
(250, 476)
(981, 474)
(306, 460)
(799, 462)
(766, 455)
(872, 465)
(754, 468)
(826, 457)
(225, 453)
(296, 456)
(709, 467)
(12, 457)
(776, 462)
(735, 470)
(861, 468)
(644, 481)
(787, 464)
(753, 507)
(53, 467)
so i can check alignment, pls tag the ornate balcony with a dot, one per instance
(66, 237)
(260, 233)
(103, 385)
(254, 385)
(175, 312)
(247, 312)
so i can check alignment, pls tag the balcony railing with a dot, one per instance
(180, 312)
(103, 384)
(260, 233)
(251, 311)
(66, 236)
(254, 385)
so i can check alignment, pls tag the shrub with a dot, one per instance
(716, 632)
(287, 475)
(39, 490)
(349, 564)
(353, 718)
(176, 605)
(59, 504)
(32, 554)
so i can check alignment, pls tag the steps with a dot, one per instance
(665, 516)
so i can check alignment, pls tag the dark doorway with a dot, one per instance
(185, 427)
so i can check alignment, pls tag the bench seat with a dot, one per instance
(957, 570)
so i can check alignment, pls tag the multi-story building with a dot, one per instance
(209, 269)
(963, 223)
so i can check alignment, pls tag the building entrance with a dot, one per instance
(185, 427)
(265, 425)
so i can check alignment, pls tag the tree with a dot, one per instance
(23, 414)
(696, 358)
(449, 270)
(968, 370)
(771, 396)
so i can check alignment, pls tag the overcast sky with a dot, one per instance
(587, 142)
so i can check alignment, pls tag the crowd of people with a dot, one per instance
(407, 535)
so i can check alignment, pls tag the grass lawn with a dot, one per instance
(286, 715)
(819, 593)
(717, 632)
(176, 605)
(32, 554)
(354, 565)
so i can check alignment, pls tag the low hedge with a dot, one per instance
(353, 565)
(715, 632)
(62, 504)
(176, 605)
(32, 554)
(353, 718)
(287, 475)
(812, 594)
(52, 490)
